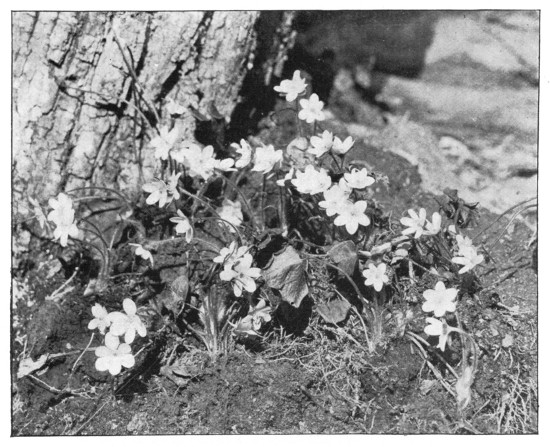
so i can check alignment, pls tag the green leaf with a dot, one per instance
(287, 273)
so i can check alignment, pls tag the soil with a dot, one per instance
(282, 387)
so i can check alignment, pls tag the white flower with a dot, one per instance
(101, 320)
(465, 245)
(336, 199)
(299, 143)
(265, 158)
(141, 252)
(172, 188)
(434, 227)
(127, 324)
(311, 181)
(342, 147)
(358, 179)
(224, 165)
(439, 300)
(352, 216)
(162, 193)
(113, 356)
(469, 259)
(62, 232)
(229, 255)
(252, 323)
(231, 212)
(158, 192)
(164, 142)
(183, 226)
(292, 88)
(312, 109)
(376, 276)
(438, 328)
(174, 108)
(62, 216)
(288, 176)
(321, 145)
(246, 154)
(242, 275)
(200, 162)
(415, 223)
(62, 209)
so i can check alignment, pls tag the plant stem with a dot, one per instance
(245, 200)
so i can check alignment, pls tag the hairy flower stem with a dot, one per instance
(262, 202)
(282, 207)
(502, 215)
(101, 188)
(204, 202)
(245, 200)
(239, 234)
(298, 123)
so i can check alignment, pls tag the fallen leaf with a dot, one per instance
(287, 273)
(334, 311)
(507, 341)
(426, 386)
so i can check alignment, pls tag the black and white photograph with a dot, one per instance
(274, 222)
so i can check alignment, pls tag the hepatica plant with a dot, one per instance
(261, 223)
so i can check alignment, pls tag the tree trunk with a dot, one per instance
(81, 118)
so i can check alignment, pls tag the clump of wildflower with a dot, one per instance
(114, 355)
(342, 147)
(292, 88)
(352, 215)
(265, 158)
(358, 179)
(62, 216)
(231, 211)
(312, 109)
(312, 181)
(440, 300)
(376, 276)
(101, 320)
(127, 324)
(415, 223)
(242, 275)
(142, 253)
(321, 145)
(183, 226)
(164, 142)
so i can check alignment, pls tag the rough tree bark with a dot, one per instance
(75, 120)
